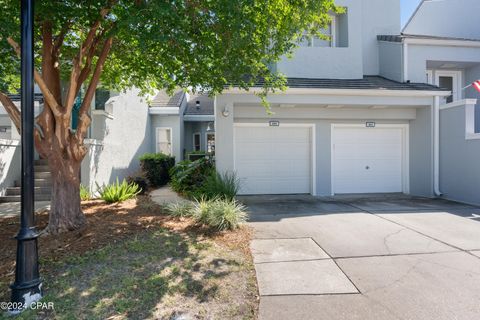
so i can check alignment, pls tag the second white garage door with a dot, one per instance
(368, 160)
(273, 160)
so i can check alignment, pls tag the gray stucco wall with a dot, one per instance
(366, 20)
(390, 60)
(122, 141)
(168, 121)
(418, 55)
(459, 158)
(418, 118)
(10, 163)
(421, 154)
(378, 17)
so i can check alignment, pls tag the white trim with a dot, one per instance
(405, 151)
(429, 74)
(458, 103)
(312, 126)
(171, 138)
(456, 81)
(470, 122)
(333, 32)
(345, 92)
(199, 142)
(442, 42)
(103, 113)
(9, 143)
(164, 110)
(93, 142)
(191, 117)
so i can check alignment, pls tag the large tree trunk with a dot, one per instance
(65, 212)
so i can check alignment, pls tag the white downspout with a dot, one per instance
(436, 146)
(405, 61)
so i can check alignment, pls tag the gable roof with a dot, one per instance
(446, 18)
(205, 106)
(163, 99)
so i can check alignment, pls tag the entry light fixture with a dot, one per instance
(225, 112)
(210, 127)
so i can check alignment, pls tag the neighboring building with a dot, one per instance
(441, 45)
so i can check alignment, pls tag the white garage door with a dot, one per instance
(273, 160)
(368, 160)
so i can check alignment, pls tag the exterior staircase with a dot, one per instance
(43, 185)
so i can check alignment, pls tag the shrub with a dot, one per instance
(221, 214)
(118, 192)
(219, 185)
(141, 182)
(188, 176)
(156, 167)
(85, 193)
(201, 210)
(180, 209)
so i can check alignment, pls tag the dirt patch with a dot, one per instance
(132, 261)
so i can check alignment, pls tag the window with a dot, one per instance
(196, 142)
(449, 80)
(210, 142)
(337, 33)
(164, 140)
(313, 41)
(101, 97)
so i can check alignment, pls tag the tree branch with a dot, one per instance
(12, 111)
(47, 95)
(87, 100)
(87, 46)
(61, 37)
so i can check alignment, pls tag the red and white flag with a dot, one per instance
(476, 85)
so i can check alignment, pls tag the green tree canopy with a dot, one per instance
(163, 44)
(148, 44)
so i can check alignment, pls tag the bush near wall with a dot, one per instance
(189, 176)
(156, 167)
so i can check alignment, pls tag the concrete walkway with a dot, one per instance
(165, 195)
(12, 209)
(383, 257)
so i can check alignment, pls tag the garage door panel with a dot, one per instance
(273, 160)
(367, 160)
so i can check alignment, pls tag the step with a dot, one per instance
(43, 175)
(41, 162)
(16, 191)
(41, 168)
(41, 182)
(38, 197)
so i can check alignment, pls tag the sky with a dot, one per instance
(408, 6)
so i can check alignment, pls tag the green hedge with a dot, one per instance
(156, 167)
(189, 176)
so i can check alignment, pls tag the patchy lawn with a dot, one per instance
(133, 262)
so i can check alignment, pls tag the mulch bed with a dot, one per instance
(106, 224)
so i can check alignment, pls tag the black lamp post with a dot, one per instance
(27, 287)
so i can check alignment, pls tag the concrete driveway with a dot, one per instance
(376, 257)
